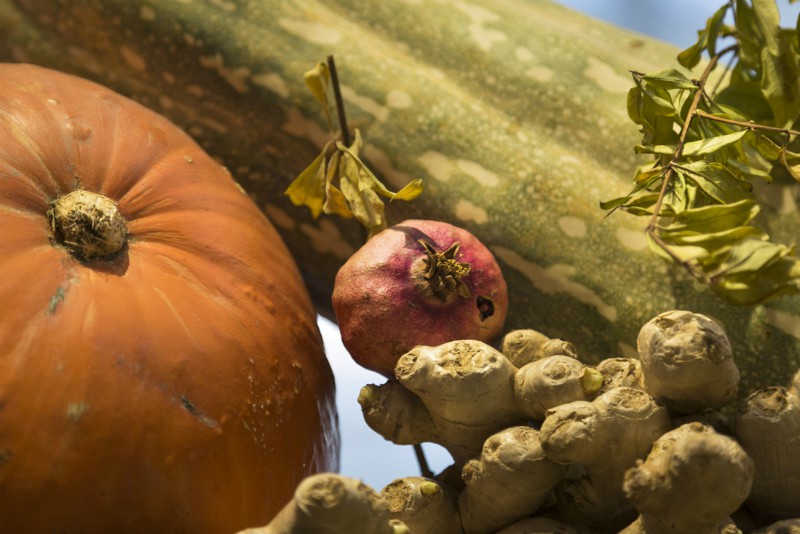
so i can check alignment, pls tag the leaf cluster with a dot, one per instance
(337, 181)
(707, 149)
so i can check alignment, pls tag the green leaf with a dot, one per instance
(634, 104)
(713, 27)
(716, 181)
(791, 161)
(670, 79)
(708, 146)
(765, 146)
(779, 277)
(748, 35)
(768, 19)
(684, 254)
(662, 150)
(690, 57)
(715, 218)
(712, 241)
(781, 81)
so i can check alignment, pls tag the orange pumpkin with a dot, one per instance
(177, 384)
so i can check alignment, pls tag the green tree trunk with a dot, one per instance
(512, 111)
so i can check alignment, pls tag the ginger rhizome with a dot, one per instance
(460, 393)
(692, 480)
(425, 506)
(768, 427)
(687, 362)
(328, 503)
(606, 436)
(510, 480)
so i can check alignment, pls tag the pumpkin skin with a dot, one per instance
(180, 386)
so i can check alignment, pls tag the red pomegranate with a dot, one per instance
(419, 282)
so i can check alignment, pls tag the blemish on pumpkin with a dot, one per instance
(5, 456)
(76, 410)
(194, 412)
(188, 159)
(56, 299)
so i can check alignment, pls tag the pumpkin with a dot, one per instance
(513, 113)
(161, 369)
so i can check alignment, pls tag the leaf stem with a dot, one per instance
(698, 95)
(337, 95)
(751, 125)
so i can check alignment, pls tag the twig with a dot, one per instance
(423, 463)
(337, 95)
(751, 125)
(701, 82)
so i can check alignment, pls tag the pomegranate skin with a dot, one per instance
(383, 304)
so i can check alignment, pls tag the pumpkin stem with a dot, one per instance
(88, 225)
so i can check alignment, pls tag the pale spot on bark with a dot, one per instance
(364, 103)
(483, 36)
(555, 279)
(133, 59)
(380, 162)
(437, 164)
(483, 175)
(540, 73)
(313, 32)
(784, 321)
(606, 77)
(572, 226)
(631, 239)
(236, 77)
(147, 13)
(279, 217)
(398, 99)
(467, 211)
(327, 240)
(273, 82)
(299, 126)
(225, 5)
(523, 54)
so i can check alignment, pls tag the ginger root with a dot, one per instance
(606, 436)
(328, 503)
(539, 525)
(690, 483)
(687, 363)
(768, 427)
(621, 372)
(466, 387)
(423, 505)
(511, 480)
(460, 393)
(553, 380)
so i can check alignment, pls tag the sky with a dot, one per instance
(367, 456)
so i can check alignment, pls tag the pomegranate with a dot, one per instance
(419, 282)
